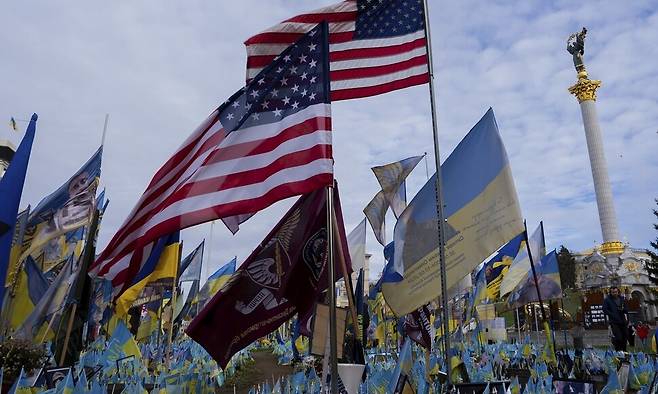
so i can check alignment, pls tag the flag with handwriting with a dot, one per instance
(269, 141)
(481, 210)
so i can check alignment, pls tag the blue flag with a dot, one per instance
(11, 189)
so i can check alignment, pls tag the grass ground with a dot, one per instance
(263, 369)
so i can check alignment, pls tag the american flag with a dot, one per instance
(376, 46)
(269, 141)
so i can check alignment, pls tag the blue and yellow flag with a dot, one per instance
(121, 344)
(496, 268)
(16, 245)
(162, 263)
(548, 282)
(402, 368)
(11, 189)
(50, 305)
(536, 246)
(216, 281)
(482, 213)
(30, 288)
(68, 208)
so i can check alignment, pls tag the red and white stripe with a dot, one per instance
(214, 175)
(359, 68)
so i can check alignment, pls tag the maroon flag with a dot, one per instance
(418, 327)
(284, 275)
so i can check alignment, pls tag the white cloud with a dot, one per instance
(159, 68)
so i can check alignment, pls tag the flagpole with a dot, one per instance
(427, 168)
(351, 298)
(203, 250)
(534, 275)
(332, 291)
(78, 286)
(210, 241)
(439, 191)
(173, 304)
(107, 118)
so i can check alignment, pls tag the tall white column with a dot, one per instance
(585, 92)
(602, 187)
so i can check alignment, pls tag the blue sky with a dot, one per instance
(159, 67)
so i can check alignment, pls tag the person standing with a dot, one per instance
(615, 310)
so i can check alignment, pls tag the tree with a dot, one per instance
(652, 266)
(567, 266)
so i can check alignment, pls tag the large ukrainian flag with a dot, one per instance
(482, 211)
(161, 264)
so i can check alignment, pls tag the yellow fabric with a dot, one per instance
(14, 267)
(550, 350)
(167, 267)
(476, 241)
(21, 304)
(147, 326)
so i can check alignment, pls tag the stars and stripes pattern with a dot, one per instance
(269, 141)
(376, 46)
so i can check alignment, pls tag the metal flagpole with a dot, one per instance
(209, 260)
(173, 304)
(427, 169)
(332, 291)
(439, 191)
(107, 118)
(534, 275)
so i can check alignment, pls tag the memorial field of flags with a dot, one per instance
(455, 301)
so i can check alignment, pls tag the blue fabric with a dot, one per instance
(296, 79)
(49, 204)
(154, 256)
(37, 285)
(11, 189)
(390, 18)
(391, 272)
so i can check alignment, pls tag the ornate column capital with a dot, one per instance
(585, 88)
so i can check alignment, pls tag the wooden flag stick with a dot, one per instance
(50, 325)
(69, 326)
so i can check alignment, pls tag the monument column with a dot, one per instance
(585, 92)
